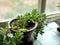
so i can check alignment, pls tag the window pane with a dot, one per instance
(11, 8)
(51, 5)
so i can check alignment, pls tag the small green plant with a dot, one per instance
(7, 38)
(23, 22)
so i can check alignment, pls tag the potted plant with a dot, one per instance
(23, 29)
(7, 38)
(30, 24)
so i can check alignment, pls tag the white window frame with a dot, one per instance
(41, 7)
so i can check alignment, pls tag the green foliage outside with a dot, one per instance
(18, 7)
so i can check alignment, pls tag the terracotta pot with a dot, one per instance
(28, 36)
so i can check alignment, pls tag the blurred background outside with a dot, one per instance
(12, 8)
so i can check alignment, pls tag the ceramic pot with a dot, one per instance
(28, 36)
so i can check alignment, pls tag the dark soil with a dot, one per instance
(30, 25)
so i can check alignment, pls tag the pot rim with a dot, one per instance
(33, 28)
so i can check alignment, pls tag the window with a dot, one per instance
(51, 9)
(51, 6)
(11, 8)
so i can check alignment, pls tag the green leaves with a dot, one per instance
(21, 24)
(18, 37)
(15, 40)
(33, 16)
(3, 31)
(1, 39)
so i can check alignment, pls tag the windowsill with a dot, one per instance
(53, 16)
(6, 20)
(52, 13)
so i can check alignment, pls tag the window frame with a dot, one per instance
(50, 16)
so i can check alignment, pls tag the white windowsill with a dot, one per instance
(53, 16)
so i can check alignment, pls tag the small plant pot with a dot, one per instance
(28, 36)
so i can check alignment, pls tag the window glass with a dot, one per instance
(11, 8)
(52, 6)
